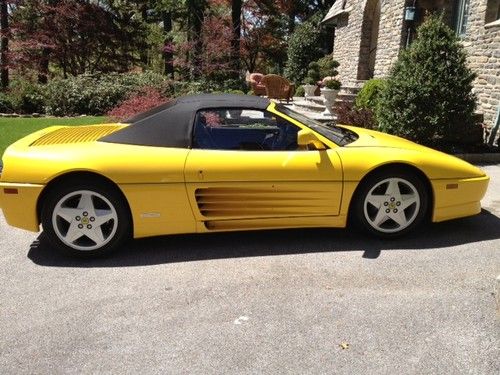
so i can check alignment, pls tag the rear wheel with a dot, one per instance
(392, 203)
(85, 219)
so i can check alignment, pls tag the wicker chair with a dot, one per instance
(278, 87)
(255, 82)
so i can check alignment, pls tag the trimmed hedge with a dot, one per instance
(428, 97)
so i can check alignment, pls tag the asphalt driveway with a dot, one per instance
(294, 301)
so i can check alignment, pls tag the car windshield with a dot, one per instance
(336, 134)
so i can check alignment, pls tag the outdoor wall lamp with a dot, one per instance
(410, 13)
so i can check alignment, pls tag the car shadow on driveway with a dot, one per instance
(196, 247)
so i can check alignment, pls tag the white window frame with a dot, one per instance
(462, 16)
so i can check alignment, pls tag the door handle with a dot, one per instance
(200, 175)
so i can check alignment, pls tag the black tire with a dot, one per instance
(364, 214)
(104, 198)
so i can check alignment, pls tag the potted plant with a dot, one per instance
(330, 85)
(309, 88)
(311, 82)
(330, 91)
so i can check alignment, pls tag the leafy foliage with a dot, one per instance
(299, 91)
(27, 97)
(97, 94)
(328, 66)
(325, 67)
(332, 84)
(303, 48)
(369, 95)
(348, 114)
(138, 102)
(6, 105)
(77, 36)
(429, 96)
(313, 74)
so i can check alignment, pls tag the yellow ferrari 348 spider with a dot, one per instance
(213, 163)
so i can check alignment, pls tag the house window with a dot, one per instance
(462, 15)
(492, 11)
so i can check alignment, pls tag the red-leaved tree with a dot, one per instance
(77, 36)
(143, 100)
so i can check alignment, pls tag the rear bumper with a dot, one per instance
(18, 203)
(455, 198)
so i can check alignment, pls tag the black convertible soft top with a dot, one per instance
(171, 124)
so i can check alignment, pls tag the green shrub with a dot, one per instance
(26, 96)
(6, 105)
(429, 96)
(332, 84)
(303, 48)
(313, 75)
(238, 92)
(299, 91)
(97, 94)
(204, 86)
(369, 95)
(328, 66)
(323, 68)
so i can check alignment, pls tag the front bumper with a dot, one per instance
(19, 204)
(455, 198)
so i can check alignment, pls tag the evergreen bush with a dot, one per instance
(369, 95)
(6, 105)
(429, 96)
(299, 91)
(328, 66)
(304, 47)
(313, 74)
(97, 94)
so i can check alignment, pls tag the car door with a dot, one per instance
(245, 171)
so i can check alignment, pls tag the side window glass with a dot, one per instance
(243, 129)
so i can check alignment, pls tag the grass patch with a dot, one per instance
(14, 128)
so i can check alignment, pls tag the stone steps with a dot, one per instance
(314, 106)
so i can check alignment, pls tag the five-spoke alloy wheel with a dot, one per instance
(391, 203)
(85, 219)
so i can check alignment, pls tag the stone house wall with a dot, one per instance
(391, 36)
(483, 47)
(353, 34)
(346, 43)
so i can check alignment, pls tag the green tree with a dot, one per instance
(428, 97)
(4, 44)
(303, 48)
(236, 8)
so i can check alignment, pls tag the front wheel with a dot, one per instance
(391, 204)
(85, 219)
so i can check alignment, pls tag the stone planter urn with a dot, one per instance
(329, 96)
(309, 90)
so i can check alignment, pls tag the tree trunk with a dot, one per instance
(4, 45)
(291, 21)
(235, 40)
(196, 9)
(168, 55)
(143, 52)
(43, 67)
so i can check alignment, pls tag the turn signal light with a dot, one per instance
(10, 191)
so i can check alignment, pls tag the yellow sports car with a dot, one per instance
(214, 163)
